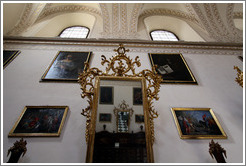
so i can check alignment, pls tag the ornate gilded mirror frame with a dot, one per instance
(118, 67)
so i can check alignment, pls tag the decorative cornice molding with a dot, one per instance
(134, 46)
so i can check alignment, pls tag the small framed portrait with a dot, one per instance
(137, 96)
(197, 123)
(40, 121)
(106, 95)
(104, 117)
(66, 66)
(139, 118)
(173, 68)
(9, 56)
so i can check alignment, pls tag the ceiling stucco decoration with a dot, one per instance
(30, 15)
(167, 12)
(134, 19)
(117, 23)
(23, 23)
(238, 15)
(218, 22)
(236, 33)
(53, 11)
(217, 28)
(106, 19)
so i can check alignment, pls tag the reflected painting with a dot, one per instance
(197, 123)
(173, 68)
(66, 66)
(137, 96)
(40, 121)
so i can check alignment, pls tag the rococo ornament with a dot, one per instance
(119, 65)
(239, 78)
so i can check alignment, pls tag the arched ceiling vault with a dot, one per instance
(220, 22)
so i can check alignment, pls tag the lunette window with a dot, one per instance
(162, 35)
(75, 32)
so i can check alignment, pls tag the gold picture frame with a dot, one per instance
(40, 121)
(197, 123)
(9, 56)
(172, 67)
(66, 66)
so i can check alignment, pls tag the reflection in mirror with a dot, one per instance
(122, 139)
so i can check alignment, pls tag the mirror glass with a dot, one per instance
(122, 121)
(120, 124)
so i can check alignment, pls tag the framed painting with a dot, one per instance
(106, 95)
(66, 66)
(40, 121)
(137, 96)
(9, 56)
(197, 123)
(139, 118)
(172, 67)
(104, 117)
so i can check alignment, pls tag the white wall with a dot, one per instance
(216, 89)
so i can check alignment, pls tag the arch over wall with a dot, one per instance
(175, 25)
(53, 27)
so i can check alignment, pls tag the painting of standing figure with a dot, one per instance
(40, 121)
(66, 66)
(197, 123)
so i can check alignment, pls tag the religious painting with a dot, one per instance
(8, 56)
(40, 121)
(197, 123)
(104, 117)
(139, 118)
(66, 66)
(172, 67)
(137, 96)
(106, 95)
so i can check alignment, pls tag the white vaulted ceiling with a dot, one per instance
(202, 22)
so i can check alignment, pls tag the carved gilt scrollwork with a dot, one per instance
(239, 78)
(119, 65)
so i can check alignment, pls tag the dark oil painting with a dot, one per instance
(106, 95)
(201, 123)
(139, 118)
(137, 96)
(40, 121)
(66, 66)
(8, 56)
(105, 117)
(172, 67)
